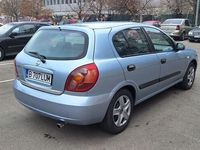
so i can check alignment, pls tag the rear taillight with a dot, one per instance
(82, 79)
(16, 72)
(178, 27)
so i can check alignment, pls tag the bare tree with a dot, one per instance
(193, 5)
(131, 7)
(81, 7)
(25, 8)
(98, 6)
(179, 7)
(33, 9)
(11, 8)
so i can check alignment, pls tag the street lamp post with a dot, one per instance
(197, 13)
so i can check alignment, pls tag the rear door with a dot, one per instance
(172, 63)
(141, 66)
(19, 37)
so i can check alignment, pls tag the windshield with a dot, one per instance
(5, 28)
(173, 21)
(58, 45)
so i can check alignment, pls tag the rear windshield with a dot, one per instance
(173, 21)
(58, 45)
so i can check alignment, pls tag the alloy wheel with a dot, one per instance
(121, 110)
(191, 76)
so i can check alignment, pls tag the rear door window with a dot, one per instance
(24, 29)
(61, 45)
(131, 42)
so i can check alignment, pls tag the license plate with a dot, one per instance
(197, 36)
(39, 76)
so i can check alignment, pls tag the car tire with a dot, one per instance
(2, 54)
(191, 40)
(182, 37)
(188, 79)
(119, 112)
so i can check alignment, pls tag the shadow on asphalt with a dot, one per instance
(9, 58)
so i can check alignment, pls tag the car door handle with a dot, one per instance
(131, 67)
(163, 60)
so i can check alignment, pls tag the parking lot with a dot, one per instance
(167, 121)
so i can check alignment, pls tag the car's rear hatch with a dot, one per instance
(170, 25)
(51, 55)
(169, 28)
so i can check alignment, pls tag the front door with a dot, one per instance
(172, 62)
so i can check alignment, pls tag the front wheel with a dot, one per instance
(189, 77)
(191, 40)
(119, 112)
(2, 54)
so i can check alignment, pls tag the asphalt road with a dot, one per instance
(168, 121)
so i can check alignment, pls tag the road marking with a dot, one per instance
(6, 64)
(5, 81)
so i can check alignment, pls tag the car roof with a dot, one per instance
(85, 27)
(103, 25)
(177, 19)
(27, 22)
(152, 21)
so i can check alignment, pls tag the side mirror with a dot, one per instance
(13, 34)
(180, 46)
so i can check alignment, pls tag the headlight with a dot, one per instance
(190, 33)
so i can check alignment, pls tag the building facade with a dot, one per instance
(61, 7)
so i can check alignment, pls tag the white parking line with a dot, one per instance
(5, 81)
(6, 64)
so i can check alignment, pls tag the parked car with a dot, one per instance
(194, 35)
(96, 72)
(155, 23)
(177, 28)
(15, 35)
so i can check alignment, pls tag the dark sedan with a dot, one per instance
(194, 35)
(15, 35)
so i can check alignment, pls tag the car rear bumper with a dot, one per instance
(79, 110)
(175, 35)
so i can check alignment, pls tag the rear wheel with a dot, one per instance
(189, 77)
(2, 54)
(119, 112)
(182, 37)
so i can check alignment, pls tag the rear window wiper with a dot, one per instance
(41, 57)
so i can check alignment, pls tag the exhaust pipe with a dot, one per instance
(60, 125)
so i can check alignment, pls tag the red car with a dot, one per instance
(155, 23)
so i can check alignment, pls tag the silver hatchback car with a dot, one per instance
(96, 72)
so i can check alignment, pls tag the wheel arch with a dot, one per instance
(3, 53)
(194, 62)
(132, 88)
